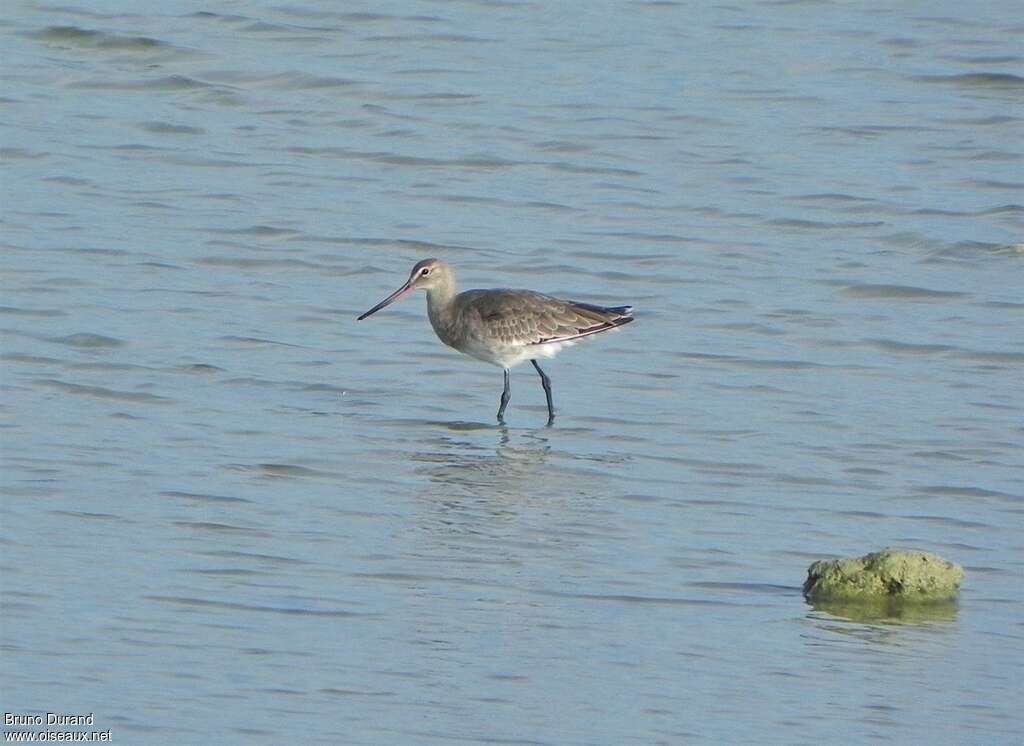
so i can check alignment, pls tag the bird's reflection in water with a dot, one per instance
(490, 483)
(503, 494)
(474, 461)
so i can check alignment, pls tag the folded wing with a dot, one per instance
(517, 318)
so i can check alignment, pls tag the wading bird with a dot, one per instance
(504, 327)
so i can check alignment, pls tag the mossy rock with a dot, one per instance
(901, 574)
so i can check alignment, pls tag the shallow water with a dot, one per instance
(233, 514)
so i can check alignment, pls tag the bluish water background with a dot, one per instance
(232, 514)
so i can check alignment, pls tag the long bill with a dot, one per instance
(402, 291)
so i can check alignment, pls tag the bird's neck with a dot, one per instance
(441, 306)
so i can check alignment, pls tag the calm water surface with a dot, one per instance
(231, 514)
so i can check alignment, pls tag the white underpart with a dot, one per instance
(509, 357)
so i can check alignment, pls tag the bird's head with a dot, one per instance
(427, 274)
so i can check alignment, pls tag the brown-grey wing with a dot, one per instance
(523, 317)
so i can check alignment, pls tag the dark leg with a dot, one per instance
(546, 383)
(505, 396)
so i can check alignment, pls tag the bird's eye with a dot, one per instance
(425, 271)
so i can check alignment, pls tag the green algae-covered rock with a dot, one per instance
(902, 574)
